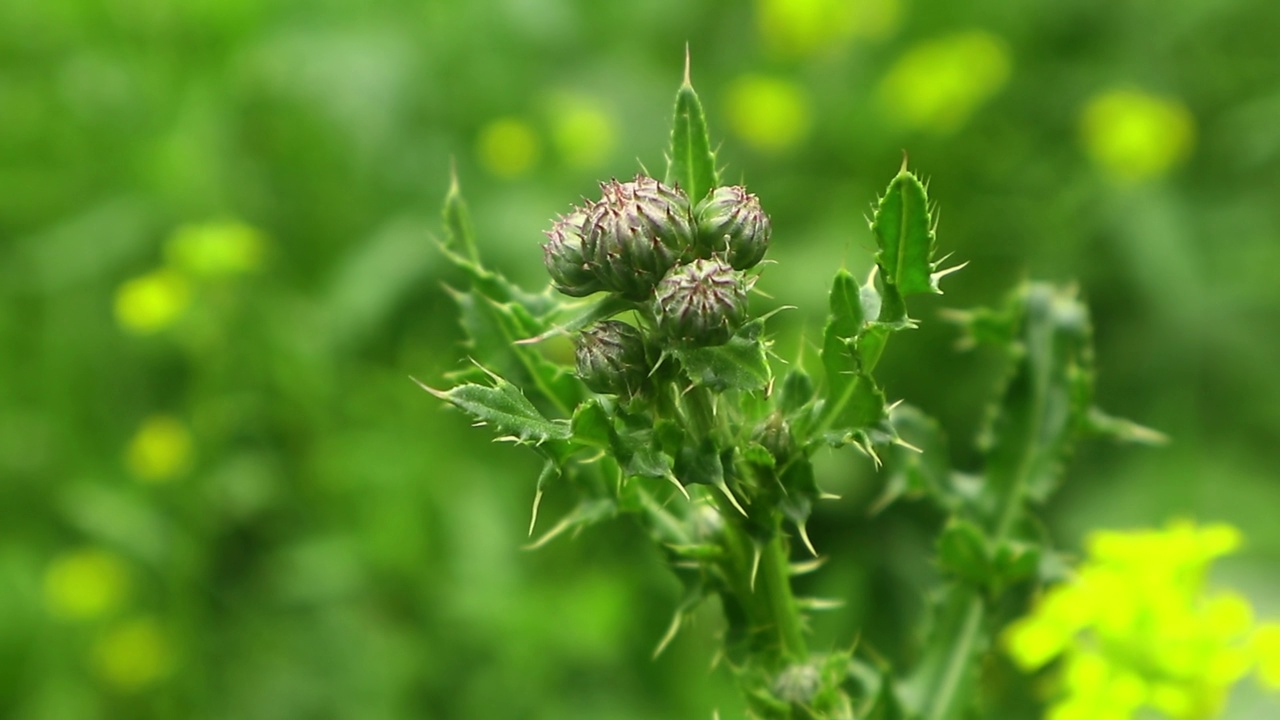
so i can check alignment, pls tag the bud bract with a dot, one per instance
(611, 358)
(732, 224)
(572, 271)
(636, 233)
(701, 303)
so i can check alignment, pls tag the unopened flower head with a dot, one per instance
(636, 233)
(701, 303)
(572, 271)
(732, 224)
(611, 358)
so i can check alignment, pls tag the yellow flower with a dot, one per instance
(1133, 136)
(937, 85)
(152, 302)
(133, 655)
(215, 250)
(1137, 629)
(85, 584)
(508, 147)
(769, 114)
(160, 450)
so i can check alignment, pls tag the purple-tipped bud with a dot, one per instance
(732, 224)
(572, 271)
(702, 303)
(611, 358)
(636, 233)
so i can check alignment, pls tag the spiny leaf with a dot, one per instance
(903, 228)
(459, 235)
(739, 364)
(690, 162)
(505, 408)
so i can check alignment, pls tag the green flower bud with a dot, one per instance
(572, 271)
(611, 358)
(774, 434)
(701, 303)
(732, 224)
(636, 233)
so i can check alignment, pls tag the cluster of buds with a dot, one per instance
(645, 241)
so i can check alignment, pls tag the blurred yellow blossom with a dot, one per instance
(1133, 136)
(216, 249)
(583, 131)
(152, 302)
(133, 655)
(508, 147)
(85, 584)
(938, 84)
(1136, 628)
(769, 114)
(160, 450)
(1266, 647)
(807, 27)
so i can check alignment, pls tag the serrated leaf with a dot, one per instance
(919, 463)
(504, 408)
(586, 513)
(844, 306)
(690, 162)
(459, 234)
(591, 426)
(963, 552)
(1043, 407)
(740, 364)
(904, 233)
(796, 391)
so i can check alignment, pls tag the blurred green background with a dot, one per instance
(222, 497)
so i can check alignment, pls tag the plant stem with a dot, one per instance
(774, 581)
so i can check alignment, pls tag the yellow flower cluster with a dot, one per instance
(1136, 629)
(154, 301)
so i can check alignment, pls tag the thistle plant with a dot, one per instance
(674, 416)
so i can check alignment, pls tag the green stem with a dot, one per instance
(774, 581)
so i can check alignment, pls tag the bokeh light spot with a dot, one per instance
(584, 133)
(85, 584)
(769, 114)
(216, 250)
(152, 302)
(801, 28)
(937, 85)
(133, 655)
(160, 450)
(508, 147)
(1133, 136)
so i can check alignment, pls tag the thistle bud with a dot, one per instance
(774, 434)
(701, 303)
(732, 224)
(636, 233)
(611, 358)
(572, 271)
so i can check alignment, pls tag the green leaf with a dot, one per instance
(1043, 407)
(739, 364)
(919, 464)
(459, 234)
(963, 552)
(591, 426)
(904, 233)
(796, 391)
(506, 409)
(844, 313)
(690, 162)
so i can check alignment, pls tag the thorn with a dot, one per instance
(687, 82)
(828, 496)
(755, 566)
(722, 487)
(808, 566)
(804, 535)
(670, 634)
(904, 162)
(533, 520)
(683, 490)
(438, 393)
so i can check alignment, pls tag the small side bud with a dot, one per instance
(636, 233)
(774, 434)
(572, 271)
(702, 303)
(611, 358)
(732, 224)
